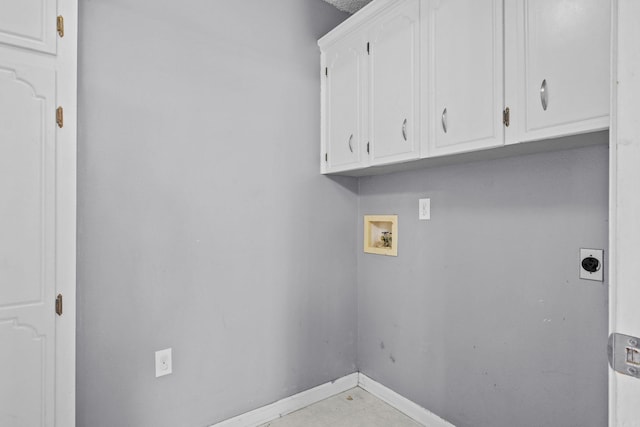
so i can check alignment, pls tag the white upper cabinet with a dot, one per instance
(558, 60)
(465, 90)
(344, 98)
(417, 79)
(394, 100)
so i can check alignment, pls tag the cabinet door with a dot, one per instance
(29, 23)
(394, 85)
(344, 96)
(560, 83)
(466, 78)
(27, 242)
(37, 213)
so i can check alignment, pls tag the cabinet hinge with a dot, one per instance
(367, 147)
(326, 71)
(60, 25)
(506, 116)
(368, 51)
(60, 117)
(59, 305)
(326, 157)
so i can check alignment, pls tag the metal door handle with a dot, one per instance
(404, 129)
(544, 95)
(444, 120)
(350, 146)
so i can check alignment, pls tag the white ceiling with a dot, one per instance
(350, 6)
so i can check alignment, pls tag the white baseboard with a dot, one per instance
(402, 404)
(291, 404)
(302, 400)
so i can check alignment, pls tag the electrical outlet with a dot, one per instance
(163, 362)
(424, 209)
(592, 264)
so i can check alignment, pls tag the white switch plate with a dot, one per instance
(597, 275)
(424, 209)
(163, 362)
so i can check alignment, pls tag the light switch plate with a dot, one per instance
(424, 209)
(163, 362)
(598, 267)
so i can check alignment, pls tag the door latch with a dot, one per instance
(624, 354)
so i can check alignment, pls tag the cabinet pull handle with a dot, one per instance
(444, 120)
(404, 129)
(544, 95)
(351, 146)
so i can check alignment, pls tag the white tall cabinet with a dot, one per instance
(38, 46)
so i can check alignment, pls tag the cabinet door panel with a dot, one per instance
(27, 243)
(344, 104)
(466, 77)
(394, 95)
(29, 23)
(566, 61)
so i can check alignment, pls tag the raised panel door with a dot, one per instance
(394, 84)
(466, 78)
(344, 101)
(29, 23)
(27, 243)
(561, 82)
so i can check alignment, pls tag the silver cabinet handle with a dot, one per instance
(544, 95)
(444, 120)
(351, 146)
(404, 129)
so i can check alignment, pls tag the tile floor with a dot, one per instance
(353, 408)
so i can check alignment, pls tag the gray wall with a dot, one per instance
(204, 226)
(482, 318)
(203, 222)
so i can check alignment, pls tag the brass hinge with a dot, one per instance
(326, 157)
(60, 116)
(60, 25)
(59, 305)
(506, 116)
(367, 147)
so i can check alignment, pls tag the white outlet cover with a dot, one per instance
(163, 363)
(597, 275)
(424, 209)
